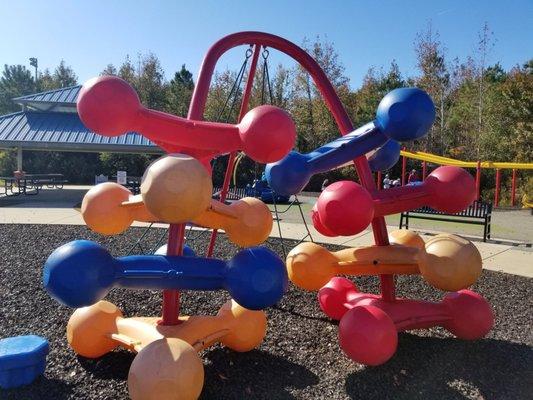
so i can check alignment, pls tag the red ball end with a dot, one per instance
(334, 296)
(453, 189)
(268, 134)
(108, 105)
(472, 316)
(319, 226)
(345, 208)
(367, 335)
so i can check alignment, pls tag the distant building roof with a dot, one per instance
(49, 121)
(63, 95)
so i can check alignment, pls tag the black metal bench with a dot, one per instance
(478, 213)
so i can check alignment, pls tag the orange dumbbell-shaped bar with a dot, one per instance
(447, 262)
(110, 208)
(168, 361)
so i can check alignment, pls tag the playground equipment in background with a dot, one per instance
(22, 360)
(478, 165)
(260, 189)
(176, 189)
(369, 322)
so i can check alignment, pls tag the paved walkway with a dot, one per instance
(57, 207)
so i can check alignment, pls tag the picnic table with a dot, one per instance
(50, 180)
(30, 184)
(16, 186)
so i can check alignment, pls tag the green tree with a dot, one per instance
(64, 75)
(15, 81)
(110, 69)
(180, 92)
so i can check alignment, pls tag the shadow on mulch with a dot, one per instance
(255, 374)
(427, 367)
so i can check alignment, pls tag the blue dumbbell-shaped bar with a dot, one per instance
(403, 114)
(82, 272)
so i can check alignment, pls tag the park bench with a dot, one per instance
(478, 213)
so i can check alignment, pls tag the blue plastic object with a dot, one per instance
(22, 360)
(385, 157)
(82, 272)
(403, 114)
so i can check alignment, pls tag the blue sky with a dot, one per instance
(90, 34)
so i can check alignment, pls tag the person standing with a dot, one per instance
(413, 177)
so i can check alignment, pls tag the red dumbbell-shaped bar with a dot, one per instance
(369, 325)
(109, 106)
(345, 208)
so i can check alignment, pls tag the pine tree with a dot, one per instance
(16, 81)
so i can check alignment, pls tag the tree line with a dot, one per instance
(483, 112)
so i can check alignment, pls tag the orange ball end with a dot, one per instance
(407, 238)
(451, 263)
(101, 209)
(176, 188)
(166, 369)
(310, 266)
(89, 329)
(247, 327)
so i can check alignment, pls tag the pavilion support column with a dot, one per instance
(19, 158)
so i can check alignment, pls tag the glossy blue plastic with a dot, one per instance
(385, 157)
(82, 272)
(403, 114)
(22, 360)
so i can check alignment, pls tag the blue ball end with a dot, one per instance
(79, 273)
(385, 157)
(256, 278)
(288, 176)
(405, 114)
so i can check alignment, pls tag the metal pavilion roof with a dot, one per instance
(49, 121)
(63, 95)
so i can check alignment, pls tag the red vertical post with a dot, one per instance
(404, 167)
(513, 189)
(478, 180)
(497, 188)
(378, 180)
(231, 159)
(171, 298)
(424, 170)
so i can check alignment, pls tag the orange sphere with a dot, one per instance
(307, 266)
(101, 209)
(176, 188)
(407, 238)
(89, 328)
(450, 263)
(248, 328)
(166, 369)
